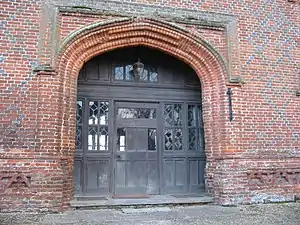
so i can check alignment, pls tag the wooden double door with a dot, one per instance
(142, 134)
(135, 149)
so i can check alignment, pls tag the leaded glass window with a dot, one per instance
(79, 120)
(195, 128)
(134, 113)
(173, 127)
(125, 73)
(98, 126)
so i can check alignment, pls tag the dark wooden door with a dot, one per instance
(135, 151)
(138, 136)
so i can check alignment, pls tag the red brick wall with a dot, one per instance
(258, 158)
(70, 22)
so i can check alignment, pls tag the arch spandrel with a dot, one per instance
(165, 36)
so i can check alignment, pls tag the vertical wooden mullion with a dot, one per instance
(197, 128)
(160, 146)
(172, 127)
(82, 144)
(85, 143)
(126, 161)
(98, 127)
(185, 144)
(174, 173)
(201, 129)
(111, 144)
(98, 141)
(183, 128)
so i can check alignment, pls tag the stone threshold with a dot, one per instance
(155, 200)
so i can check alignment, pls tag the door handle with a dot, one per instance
(118, 156)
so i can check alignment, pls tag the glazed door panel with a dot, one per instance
(136, 150)
(183, 158)
(93, 151)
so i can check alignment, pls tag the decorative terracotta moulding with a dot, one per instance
(45, 70)
(8, 180)
(277, 177)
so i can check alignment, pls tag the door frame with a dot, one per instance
(145, 104)
(112, 141)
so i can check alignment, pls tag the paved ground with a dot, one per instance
(287, 214)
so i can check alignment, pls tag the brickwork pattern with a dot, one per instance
(37, 102)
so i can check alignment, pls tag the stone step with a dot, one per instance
(109, 202)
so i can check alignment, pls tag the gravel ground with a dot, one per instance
(267, 214)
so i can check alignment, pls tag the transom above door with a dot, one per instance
(138, 137)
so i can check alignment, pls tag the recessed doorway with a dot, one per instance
(139, 130)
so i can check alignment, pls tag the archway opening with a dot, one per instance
(138, 133)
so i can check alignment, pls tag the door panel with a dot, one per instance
(136, 158)
(174, 175)
(153, 178)
(77, 176)
(97, 176)
(183, 155)
(196, 168)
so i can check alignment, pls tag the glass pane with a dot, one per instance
(168, 139)
(128, 72)
(195, 139)
(177, 115)
(194, 115)
(103, 139)
(93, 138)
(136, 139)
(144, 75)
(152, 75)
(151, 139)
(168, 113)
(78, 137)
(121, 134)
(178, 139)
(79, 112)
(128, 113)
(93, 107)
(103, 113)
(200, 140)
(192, 139)
(119, 73)
(173, 115)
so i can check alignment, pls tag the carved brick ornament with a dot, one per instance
(267, 178)
(7, 181)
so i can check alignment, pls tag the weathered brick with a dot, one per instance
(252, 159)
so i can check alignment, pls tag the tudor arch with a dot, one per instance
(99, 38)
(138, 134)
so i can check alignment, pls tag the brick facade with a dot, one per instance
(248, 46)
